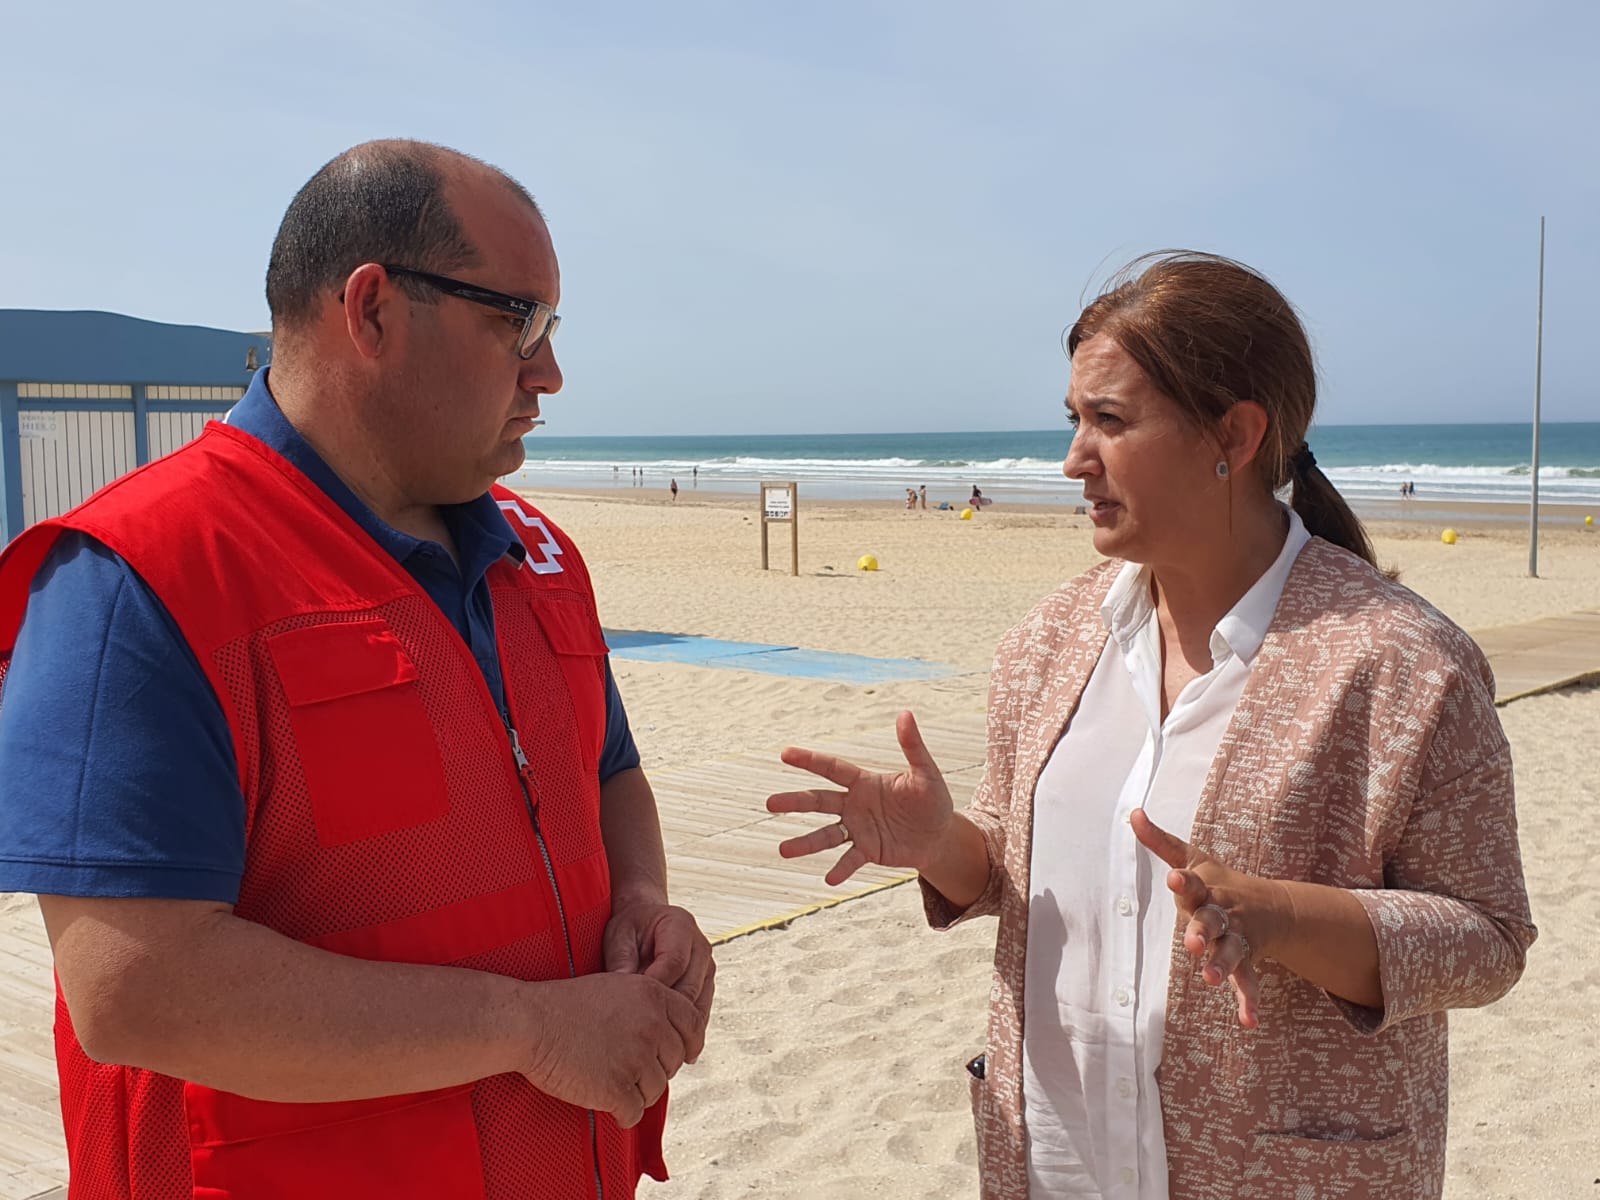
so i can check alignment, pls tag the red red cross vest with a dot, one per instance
(387, 818)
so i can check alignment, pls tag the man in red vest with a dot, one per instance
(311, 748)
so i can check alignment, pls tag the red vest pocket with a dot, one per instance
(574, 634)
(398, 1147)
(364, 739)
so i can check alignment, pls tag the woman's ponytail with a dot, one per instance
(1323, 510)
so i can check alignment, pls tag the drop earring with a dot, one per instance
(1222, 469)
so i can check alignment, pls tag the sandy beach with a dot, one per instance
(946, 591)
(833, 1065)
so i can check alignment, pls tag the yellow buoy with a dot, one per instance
(867, 562)
(1448, 537)
(1588, 520)
(966, 514)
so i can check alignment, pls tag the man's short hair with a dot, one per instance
(381, 202)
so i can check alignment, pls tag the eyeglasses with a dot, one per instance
(539, 320)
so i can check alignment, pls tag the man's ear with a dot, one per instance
(371, 309)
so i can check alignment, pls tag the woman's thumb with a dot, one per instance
(912, 745)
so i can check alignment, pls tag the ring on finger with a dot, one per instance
(844, 834)
(1222, 913)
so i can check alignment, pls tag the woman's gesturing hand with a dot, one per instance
(1235, 920)
(897, 820)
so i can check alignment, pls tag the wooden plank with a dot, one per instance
(30, 1185)
(33, 1160)
(722, 844)
(1542, 655)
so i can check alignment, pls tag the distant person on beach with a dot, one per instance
(323, 922)
(922, 495)
(696, 477)
(911, 498)
(1247, 818)
(674, 491)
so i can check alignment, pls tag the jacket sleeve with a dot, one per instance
(1452, 920)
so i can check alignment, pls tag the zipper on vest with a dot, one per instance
(530, 787)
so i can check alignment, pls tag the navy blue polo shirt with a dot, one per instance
(117, 772)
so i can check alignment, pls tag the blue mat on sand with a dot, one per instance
(769, 660)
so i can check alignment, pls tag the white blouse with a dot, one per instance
(1100, 918)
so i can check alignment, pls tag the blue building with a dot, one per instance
(88, 396)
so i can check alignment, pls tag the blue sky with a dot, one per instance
(848, 216)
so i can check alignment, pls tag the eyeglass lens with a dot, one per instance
(541, 324)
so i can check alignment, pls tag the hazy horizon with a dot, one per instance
(547, 432)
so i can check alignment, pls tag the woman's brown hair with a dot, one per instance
(1210, 332)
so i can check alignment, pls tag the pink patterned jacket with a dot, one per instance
(1364, 753)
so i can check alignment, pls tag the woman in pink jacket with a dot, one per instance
(1247, 819)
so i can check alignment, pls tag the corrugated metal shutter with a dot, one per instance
(68, 456)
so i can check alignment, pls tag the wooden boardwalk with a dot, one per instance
(33, 1157)
(722, 843)
(1540, 656)
(722, 847)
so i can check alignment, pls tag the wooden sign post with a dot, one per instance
(780, 502)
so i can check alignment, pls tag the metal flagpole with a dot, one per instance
(1538, 371)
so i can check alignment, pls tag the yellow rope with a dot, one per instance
(1583, 679)
(778, 922)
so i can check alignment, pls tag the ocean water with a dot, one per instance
(1471, 463)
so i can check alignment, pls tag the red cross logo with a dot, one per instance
(551, 549)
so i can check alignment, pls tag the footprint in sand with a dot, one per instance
(915, 1142)
(897, 1106)
(874, 994)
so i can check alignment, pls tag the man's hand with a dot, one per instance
(611, 1041)
(662, 942)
